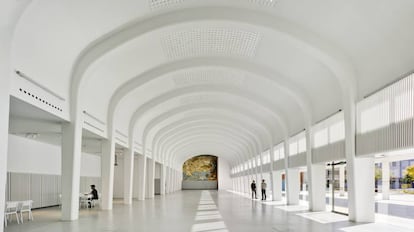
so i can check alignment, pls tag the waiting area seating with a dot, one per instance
(16, 209)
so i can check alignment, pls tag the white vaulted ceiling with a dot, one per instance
(230, 78)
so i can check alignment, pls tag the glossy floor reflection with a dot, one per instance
(204, 211)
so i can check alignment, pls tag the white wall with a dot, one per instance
(31, 156)
(224, 179)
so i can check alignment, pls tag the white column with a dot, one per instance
(360, 172)
(277, 187)
(12, 10)
(71, 162)
(386, 180)
(128, 175)
(174, 180)
(150, 178)
(162, 179)
(293, 186)
(142, 162)
(292, 179)
(169, 183)
(316, 177)
(107, 167)
(341, 180)
(272, 182)
(4, 116)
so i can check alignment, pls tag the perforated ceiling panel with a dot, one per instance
(158, 4)
(210, 42)
(209, 76)
(161, 4)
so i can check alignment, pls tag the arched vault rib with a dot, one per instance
(213, 131)
(294, 92)
(208, 88)
(186, 150)
(208, 147)
(230, 131)
(322, 50)
(216, 138)
(245, 130)
(190, 107)
(198, 119)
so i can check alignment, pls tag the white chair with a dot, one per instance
(26, 206)
(83, 200)
(12, 207)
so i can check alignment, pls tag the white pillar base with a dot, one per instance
(317, 187)
(71, 162)
(142, 164)
(293, 186)
(128, 175)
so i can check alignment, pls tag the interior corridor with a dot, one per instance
(199, 211)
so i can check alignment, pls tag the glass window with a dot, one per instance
(302, 145)
(293, 148)
(337, 132)
(320, 138)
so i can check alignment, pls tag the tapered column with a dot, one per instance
(4, 118)
(142, 162)
(277, 187)
(150, 178)
(271, 176)
(71, 162)
(293, 186)
(316, 177)
(360, 172)
(107, 166)
(341, 180)
(128, 175)
(386, 180)
(162, 179)
(292, 179)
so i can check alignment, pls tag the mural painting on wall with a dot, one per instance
(200, 168)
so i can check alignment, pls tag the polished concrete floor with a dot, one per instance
(203, 211)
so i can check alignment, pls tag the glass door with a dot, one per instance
(337, 184)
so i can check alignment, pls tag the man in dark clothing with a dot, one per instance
(94, 194)
(253, 187)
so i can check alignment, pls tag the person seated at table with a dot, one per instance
(94, 196)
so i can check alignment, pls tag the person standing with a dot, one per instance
(264, 185)
(253, 187)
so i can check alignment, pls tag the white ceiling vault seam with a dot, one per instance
(248, 116)
(243, 144)
(321, 50)
(225, 124)
(210, 42)
(295, 93)
(189, 133)
(178, 92)
(224, 120)
(219, 114)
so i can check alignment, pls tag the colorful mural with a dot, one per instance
(200, 168)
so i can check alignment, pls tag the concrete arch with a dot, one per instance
(217, 139)
(327, 54)
(193, 107)
(266, 104)
(230, 131)
(296, 93)
(158, 138)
